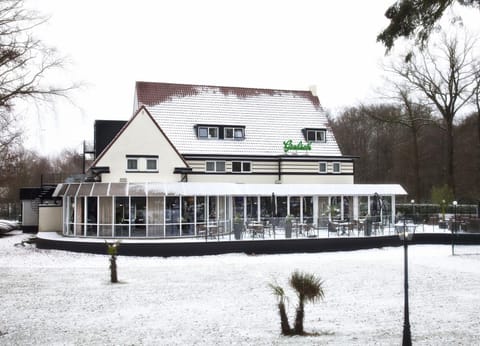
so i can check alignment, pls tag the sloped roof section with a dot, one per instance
(269, 116)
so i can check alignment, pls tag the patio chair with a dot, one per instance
(331, 228)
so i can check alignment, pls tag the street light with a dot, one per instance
(406, 236)
(413, 210)
(454, 226)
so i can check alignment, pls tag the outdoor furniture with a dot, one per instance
(331, 228)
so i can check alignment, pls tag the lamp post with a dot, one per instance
(406, 236)
(454, 227)
(413, 210)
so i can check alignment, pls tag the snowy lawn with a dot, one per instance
(56, 297)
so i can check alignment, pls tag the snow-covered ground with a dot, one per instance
(53, 297)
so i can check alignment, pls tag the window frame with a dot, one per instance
(215, 166)
(208, 128)
(320, 135)
(147, 160)
(337, 164)
(242, 167)
(129, 160)
(234, 133)
(320, 167)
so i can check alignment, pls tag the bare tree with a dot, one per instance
(446, 77)
(410, 114)
(25, 65)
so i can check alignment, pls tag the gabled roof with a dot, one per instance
(269, 116)
(122, 130)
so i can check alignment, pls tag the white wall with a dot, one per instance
(141, 137)
(50, 218)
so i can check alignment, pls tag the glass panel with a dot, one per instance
(266, 207)
(311, 135)
(202, 132)
(246, 166)
(136, 190)
(236, 166)
(347, 207)
(308, 209)
(121, 216)
(85, 189)
(323, 167)
(80, 216)
(335, 207)
(323, 211)
(132, 164)
(138, 207)
(362, 206)
(106, 216)
(221, 214)
(321, 136)
(155, 217)
(238, 133)
(387, 209)
(91, 216)
(220, 166)
(172, 216)
(252, 208)
(228, 133)
(212, 209)
(100, 189)
(238, 207)
(336, 167)
(210, 166)
(72, 190)
(212, 132)
(71, 216)
(152, 164)
(201, 210)
(188, 215)
(118, 189)
(282, 207)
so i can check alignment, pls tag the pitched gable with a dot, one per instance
(142, 139)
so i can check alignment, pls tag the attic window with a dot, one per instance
(315, 135)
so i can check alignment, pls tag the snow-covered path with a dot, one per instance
(55, 297)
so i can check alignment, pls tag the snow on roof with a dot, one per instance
(222, 189)
(269, 116)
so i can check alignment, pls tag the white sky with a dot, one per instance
(251, 43)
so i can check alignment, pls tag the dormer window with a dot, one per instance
(316, 135)
(207, 132)
(222, 132)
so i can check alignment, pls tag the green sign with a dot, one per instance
(288, 145)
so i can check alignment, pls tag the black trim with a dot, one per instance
(269, 173)
(133, 171)
(142, 156)
(203, 157)
(182, 170)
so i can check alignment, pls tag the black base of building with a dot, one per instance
(281, 246)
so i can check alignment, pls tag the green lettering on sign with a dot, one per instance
(288, 145)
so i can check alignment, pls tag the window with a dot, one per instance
(336, 167)
(132, 164)
(323, 167)
(151, 164)
(215, 166)
(233, 133)
(241, 166)
(207, 132)
(316, 135)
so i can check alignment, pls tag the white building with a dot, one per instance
(193, 157)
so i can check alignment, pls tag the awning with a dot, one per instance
(225, 189)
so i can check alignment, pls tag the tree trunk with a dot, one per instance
(286, 330)
(298, 328)
(113, 269)
(450, 165)
(416, 165)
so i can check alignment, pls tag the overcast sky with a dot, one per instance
(251, 43)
